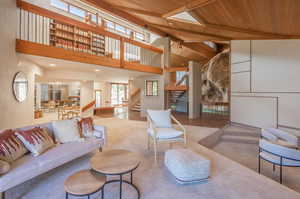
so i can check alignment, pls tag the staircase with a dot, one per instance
(136, 107)
(135, 101)
(177, 92)
(237, 134)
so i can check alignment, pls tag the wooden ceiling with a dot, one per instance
(219, 20)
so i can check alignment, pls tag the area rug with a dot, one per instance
(154, 181)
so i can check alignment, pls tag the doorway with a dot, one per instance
(119, 94)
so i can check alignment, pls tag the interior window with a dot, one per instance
(110, 25)
(139, 36)
(120, 28)
(128, 31)
(60, 4)
(77, 11)
(151, 88)
(94, 18)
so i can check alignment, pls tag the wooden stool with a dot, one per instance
(85, 183)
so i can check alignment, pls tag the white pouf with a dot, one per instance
(187, 166)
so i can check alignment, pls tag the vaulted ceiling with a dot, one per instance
(217, 20)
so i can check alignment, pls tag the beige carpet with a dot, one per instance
(153, 180)
(229, 180)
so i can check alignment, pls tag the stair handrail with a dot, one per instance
(181, 80)
(135, 92)
(88, 106)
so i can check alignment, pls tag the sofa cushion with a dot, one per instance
(86, 127)
(161, 118)
(29, 166)
(66, 131)
(165, 133)
(11, 148)
(4, 167)
(36, 140)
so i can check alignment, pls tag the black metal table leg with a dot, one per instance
(102, 193)
(121, 182)
(67, 195)
(131, 178)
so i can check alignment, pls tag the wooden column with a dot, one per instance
(122, 52)
(195, 86)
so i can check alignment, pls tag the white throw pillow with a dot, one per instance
(66, 131)
(161, 118)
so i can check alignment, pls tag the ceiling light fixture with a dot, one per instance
(97, 70)
(52, 65)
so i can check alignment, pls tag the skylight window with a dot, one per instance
(184, 16)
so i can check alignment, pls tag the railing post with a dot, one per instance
(122, 52)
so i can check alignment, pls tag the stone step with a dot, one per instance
(135, 109)
(240, 139)
(242, 133)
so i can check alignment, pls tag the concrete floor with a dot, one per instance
(241, 145)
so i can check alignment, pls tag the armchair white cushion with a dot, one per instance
(281, 137)
(165, 133)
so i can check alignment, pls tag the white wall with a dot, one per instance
(14, 114)
(86, 96)
(150, 102)
(265, 83)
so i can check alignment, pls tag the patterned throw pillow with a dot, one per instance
(36, 140)
(4, 167)
(11, 148)
(87, 127)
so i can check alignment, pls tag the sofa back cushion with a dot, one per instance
(11, 148)
(48, 126)
(66, 131)
(36, 140)
(87, 127)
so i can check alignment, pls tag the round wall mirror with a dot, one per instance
(20, 86)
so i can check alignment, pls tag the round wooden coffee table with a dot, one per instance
(117, 162)
(85, 183)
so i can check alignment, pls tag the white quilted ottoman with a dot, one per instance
(187, 166)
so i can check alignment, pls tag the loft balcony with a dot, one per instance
(45, 33)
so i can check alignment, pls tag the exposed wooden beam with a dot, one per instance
(138, 11)
(201, 48)
(125, 15)
(189, 6)
(174, 69)
(211, 36)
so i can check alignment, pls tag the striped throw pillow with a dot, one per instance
(11, 148)
(36, 140)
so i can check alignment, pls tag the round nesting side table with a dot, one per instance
(85, 183)
(117, 162)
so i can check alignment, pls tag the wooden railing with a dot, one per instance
(134, 98)
(46, 33)
(135, 93)
(88, 106)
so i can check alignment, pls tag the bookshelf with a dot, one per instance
(70, 37)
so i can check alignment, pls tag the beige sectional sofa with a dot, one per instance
(29, 167)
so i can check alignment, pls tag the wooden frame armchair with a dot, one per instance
(163, 134)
